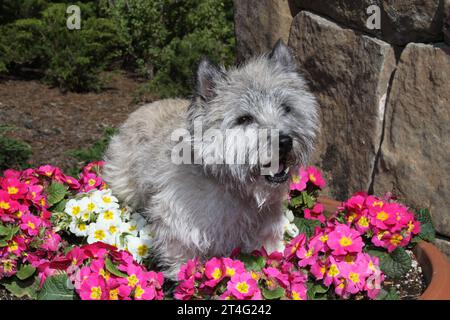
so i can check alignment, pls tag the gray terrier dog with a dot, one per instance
(208, 208)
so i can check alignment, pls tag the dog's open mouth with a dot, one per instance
(282, 175)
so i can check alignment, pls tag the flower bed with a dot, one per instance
(69, 238)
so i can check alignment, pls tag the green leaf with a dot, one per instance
(277, 293)
(388, 295)
(427, 232)
(56, 193)
(60, 206)
(56, 288)
(315, 291)
(306, 226)
(112, 268)
(396, 264)
(20, 288)
(307, 199)
(252, 263)
(296, 201)
(3, 230)
(9, 232)
(423, 216)
(25, 271)
(3, 243)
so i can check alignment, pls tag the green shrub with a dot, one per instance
(69, 59)
(166, 38)
(161, 39)
(78, 56)
(13, 153)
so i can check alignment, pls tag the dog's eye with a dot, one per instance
(286, 108)
(244, 120)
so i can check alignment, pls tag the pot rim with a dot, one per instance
(435, 266)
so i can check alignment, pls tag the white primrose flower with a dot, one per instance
(110, 216)
(138, 247)
(113, 230)
(105, 200)
(98, 232)
(129, 228)
(79, 228)
(73, 208)
(88, 205)
(138, 220)
(146, 233)
(125, 213)
(290, 228)
(289, 215)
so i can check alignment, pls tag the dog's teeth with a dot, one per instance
(286, 170)
(271, 173)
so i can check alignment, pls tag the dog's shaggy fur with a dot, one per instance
(210, 209)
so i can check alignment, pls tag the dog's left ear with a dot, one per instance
(208, 74)
(282, 55)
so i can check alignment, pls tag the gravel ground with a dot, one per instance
(413, 284)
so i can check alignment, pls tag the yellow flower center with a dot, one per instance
(333, 271)
(308, 253)
(13, 246)
(363, 222)
(91, 206)
(106, 199)
(312, 178)
(76, 210)
(217, 273)
(81, 226)
(31, 225)
(132, 280)
(104, 274)
(142, 250)
(378, 203)
(99, 235)
(324, 238)
(242, 287)
(138, 292)
(230, 271)
(91, 182)
(345, 241)
(114, 294)
(382, 216)
(296, 296)
(295, 179)
(13, 190)
(4, 205)
(354, 277)
(410, 226)
(113, 229)
(96, 293)
(8, 266)
(351, 217)
(396, 239)
(108, 215)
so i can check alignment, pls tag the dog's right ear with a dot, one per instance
(208, 74)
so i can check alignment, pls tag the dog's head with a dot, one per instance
(266, 96)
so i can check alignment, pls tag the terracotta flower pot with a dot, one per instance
(435, 266)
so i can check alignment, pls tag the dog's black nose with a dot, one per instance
(285, 144)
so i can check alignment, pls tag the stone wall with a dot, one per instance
(384, 93)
